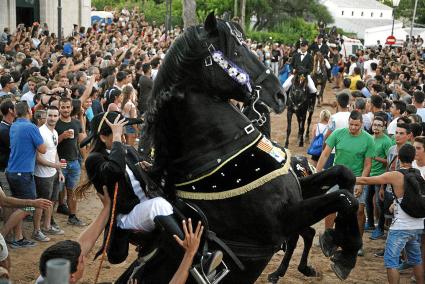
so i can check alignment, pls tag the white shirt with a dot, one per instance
(421, 169)
(28, 96)
(51, 139)
(421, 112)
(392, 127)
(154, 72)
(367, 68)
(403, 221)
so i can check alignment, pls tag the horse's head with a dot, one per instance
(297, 94)
(232, 70)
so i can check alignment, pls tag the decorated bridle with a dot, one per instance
(238, 74)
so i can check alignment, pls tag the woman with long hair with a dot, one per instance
(135, 206)
(129, 110)
(320, 74)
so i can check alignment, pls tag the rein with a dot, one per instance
(108, 238)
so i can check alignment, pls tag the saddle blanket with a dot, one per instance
(251, 167)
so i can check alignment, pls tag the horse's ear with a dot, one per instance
(210, 24)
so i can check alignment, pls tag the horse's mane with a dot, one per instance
(177, 73)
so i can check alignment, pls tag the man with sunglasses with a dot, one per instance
(47, 175)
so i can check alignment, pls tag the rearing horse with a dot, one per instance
(208, 153)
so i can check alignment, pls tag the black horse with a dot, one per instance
(210, 154)
(300, 103)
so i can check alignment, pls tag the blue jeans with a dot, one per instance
(72, 174)
(22, 185)
(397, 240)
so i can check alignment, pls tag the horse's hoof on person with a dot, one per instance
(273, 277)
(309, 271)
(340, 270)
(326, 243)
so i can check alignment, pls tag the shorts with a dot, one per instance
(129, 129)
(315, 157)
(22, 185)
(398, 240)
(72, 174)
(47, 187)
(4, 183)
(362, 198)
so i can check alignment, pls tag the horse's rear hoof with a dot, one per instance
(340, 270)
(273, 278)
(309, 271)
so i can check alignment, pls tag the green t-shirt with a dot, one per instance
(350, 150)
(382, 144)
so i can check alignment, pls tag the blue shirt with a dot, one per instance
(24, 140)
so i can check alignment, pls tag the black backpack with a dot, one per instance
(413, 202)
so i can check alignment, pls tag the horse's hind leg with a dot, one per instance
(319, 183)
(288, 126)
(308, 236)
(345, 235)
(291, 244)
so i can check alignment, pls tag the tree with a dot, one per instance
(243, 11)
(189, 13)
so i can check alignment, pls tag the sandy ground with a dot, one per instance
(369, 269)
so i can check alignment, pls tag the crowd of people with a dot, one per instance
(51, 92)
(377, 131)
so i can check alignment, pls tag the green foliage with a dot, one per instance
(405, 10)
(287, 32)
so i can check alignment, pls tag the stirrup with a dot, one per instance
(215, 276)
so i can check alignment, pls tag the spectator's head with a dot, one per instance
(7, 109)
(376, 102)
(419, 144)
(402, 133)
(419, 97)
(355, 122)
(65, 107)
(52, 116)
(346, 82)
(155, 62)
(122, 77)
(22, 110)
(7, 83)
(416, 129)
(357, 71)
(406, 154)
(398, 108)
(69, 250)
(410, 109)
(360, 105)
(343, 99)
(378, 125)
(415, 118)
(373, 66)
(360, 85)
(146, 68)
(324, 116)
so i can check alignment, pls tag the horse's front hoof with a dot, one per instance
(301, 144)
(326, 243)
(309, 271)
(340, 270)
(273, 278)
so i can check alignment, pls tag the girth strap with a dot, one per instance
(213, 237)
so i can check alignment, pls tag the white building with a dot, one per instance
(14, 12)
(356, 16)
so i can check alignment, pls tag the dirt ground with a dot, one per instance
(369, 269)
